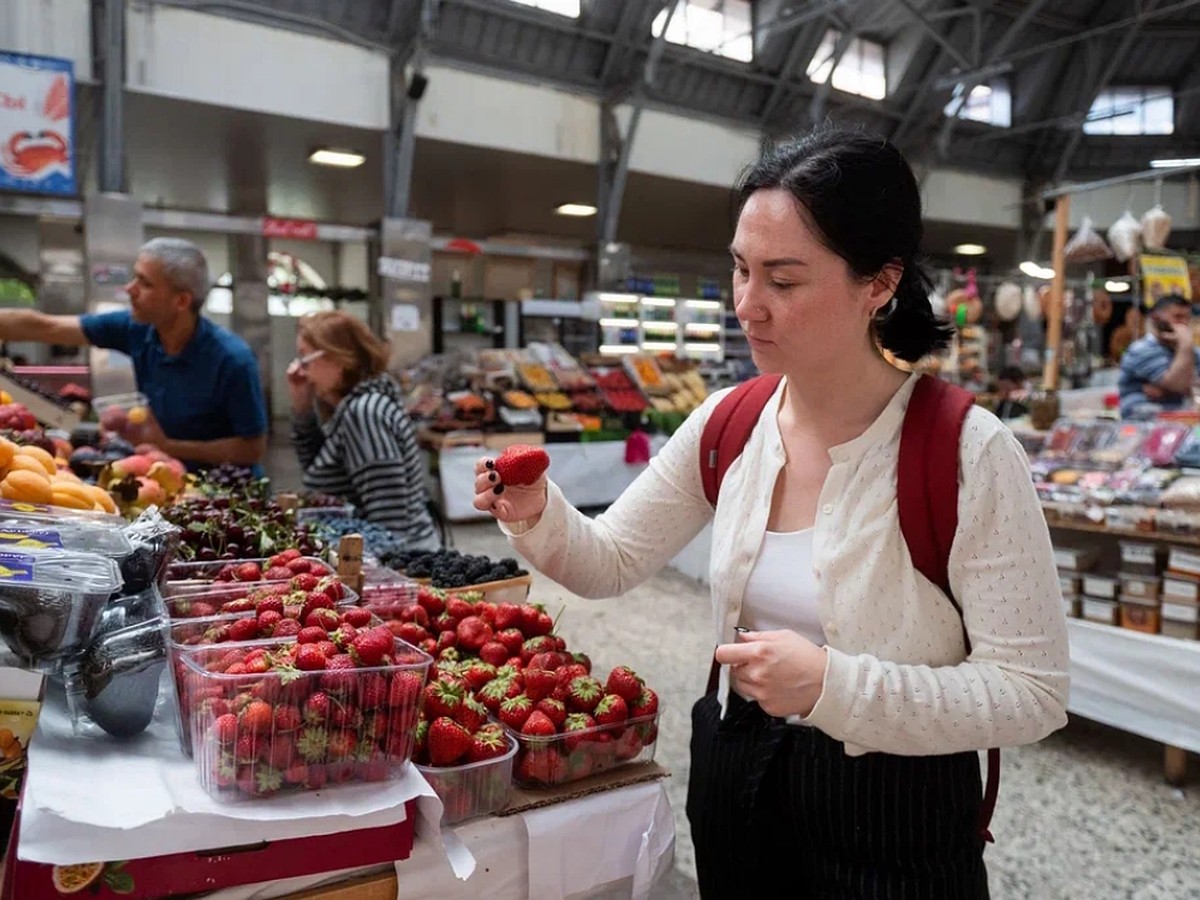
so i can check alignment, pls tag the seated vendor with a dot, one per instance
(1158, 371)
(203, 384)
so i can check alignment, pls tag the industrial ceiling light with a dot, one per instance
(1174, 163)
(1116, 287)
(343, 159)
(580, 210)
(970, 249)
(1033, 270)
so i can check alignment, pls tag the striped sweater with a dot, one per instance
(367, 454)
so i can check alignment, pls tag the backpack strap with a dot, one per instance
(927, 496)
(728, 428)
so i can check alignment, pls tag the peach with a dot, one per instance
(136, 465)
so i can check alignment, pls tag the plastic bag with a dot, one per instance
(1008, 301)
(1156, 228)
(1033, 305)
(1125, 236)
(1086, 245)
(155, 542)
(1183, 494)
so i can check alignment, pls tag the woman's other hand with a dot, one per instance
(506, 502)
(780, 670)
(299, 388)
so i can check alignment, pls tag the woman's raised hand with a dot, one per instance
(507, 502)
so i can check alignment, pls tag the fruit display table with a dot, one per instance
(589, 474)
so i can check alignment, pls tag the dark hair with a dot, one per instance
(1011, 373)
(1166, 301)
(860, 194)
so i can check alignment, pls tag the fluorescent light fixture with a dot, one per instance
(616, 349)
(658, 345)
(657, 301)
(702, 347)
(970, 249)
(1033, 270)
(579, 210)
(343, 159)
(660, 327)
(619, 323)
(703, 304)
(1174, 163)
(618, 298)
(704, 326)
(1116, 287)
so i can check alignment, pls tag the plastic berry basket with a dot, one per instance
(293, 731)
(473, 789)
(387, 599)
(191, 588)
(181, 575)
(562, 758)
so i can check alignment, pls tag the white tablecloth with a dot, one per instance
(612, 844)
(1142, 683)
(588, 474)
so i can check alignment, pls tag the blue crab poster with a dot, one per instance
(37, 114)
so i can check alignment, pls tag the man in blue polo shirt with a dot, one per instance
(202, 381)
(1158, 371)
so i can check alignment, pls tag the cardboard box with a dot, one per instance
(181, 874)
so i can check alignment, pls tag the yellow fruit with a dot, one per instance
(7, 449)
(66, 475)
(73, 879)
(41, 456)
(78, 491)
(101, 498)
(23, 463)
(31, 487)
(5, 397)
(58, 498)
(138, 415)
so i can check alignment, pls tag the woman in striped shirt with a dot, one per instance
(350, 428)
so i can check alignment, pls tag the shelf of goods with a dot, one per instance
(323, 722)
(692, 329)
(1124, 513)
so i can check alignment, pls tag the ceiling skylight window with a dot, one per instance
(723, 27)
(861, 70)
(989, 103)
(568, 8)
(1132, 110)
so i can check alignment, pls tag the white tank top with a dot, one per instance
(781, 592)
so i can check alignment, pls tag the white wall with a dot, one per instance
(485, 111)
(49, 28)
(953, 196)
(213, 59)
(689, 149)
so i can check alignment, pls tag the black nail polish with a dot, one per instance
(490, 464)
(491, 476)
(498, 489)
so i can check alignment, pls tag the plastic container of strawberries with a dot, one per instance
(472, 789)
(184, 575)
(562, 758)
(320, 729)
(197, 601)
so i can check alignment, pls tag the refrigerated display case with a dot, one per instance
(569, 323)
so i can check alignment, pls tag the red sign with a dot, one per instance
(295, 229)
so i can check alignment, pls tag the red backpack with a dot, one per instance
(926, 488)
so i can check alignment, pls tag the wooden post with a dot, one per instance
(1054, 315)
(350, 554)
(1175, 765)
(287, 501)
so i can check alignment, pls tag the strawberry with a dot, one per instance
(570, 672)
(311, 635)
(554, 710)
(339, 676)
(286, 628)
(313, 601)
(583, 694)
(344, 635)
(534, 646)
(494, 653)
(281, 754)
(357, 616)
(493, 694)
(277, 573)
(342, 745)
(375, 767)
(296, 773)
(529, 618)
(560, 643)
(372, 647)
(522, 464)
(449, 655)
(316, 708)
(539, 683)
(322, 617)
(243, 630)
(458, 608)
(431, 601)
(226, 573)
(247, 572)
(541, 765)
(300, 566)
(646, 704)
(200, 610)
(486, 745)
(447, 640)
(414, 612)
(420, 740)
(473, 633)
(406, 688)
(258, 717)
(267, 622)
(442, 700)
(471, 714)
(512, 639)
(543, 624)
(373, 691)
(584, 660)
(611, 710)
(552, 661)
(628, 745)
(428, 646)
(508, 615)
(310, 658)
(478, 674)
(306, 582)
(443, 622)
(448, 741)
(515, 711)
(287, 718)
(312, 743)
(225, 729)
(269, 604)
(328, 647)
(247, 746)
(538, 725)
(625, 683)
(576, 722)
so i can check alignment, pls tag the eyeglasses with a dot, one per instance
(308, 358)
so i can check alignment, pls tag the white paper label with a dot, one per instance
(1138, 587)
(1099, 587)
(1184, 561)
(406, 317)
(1099, 609)
(404, 269)
(1067, 559)
(1143, 554)
(1181, 612)
(1177, 587)
(1068, 607)
(1068, 584)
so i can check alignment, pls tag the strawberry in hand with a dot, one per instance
(512, 487)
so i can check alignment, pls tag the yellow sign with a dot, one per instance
(1162, 275)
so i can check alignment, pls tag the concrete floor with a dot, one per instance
(1083, 814)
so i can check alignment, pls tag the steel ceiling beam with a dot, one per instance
(799, 53)
(931, 30)
(112, 100)
(253, 12)
(967, 85)
(1096, 88)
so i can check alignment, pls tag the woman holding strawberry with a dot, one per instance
(838, 751)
